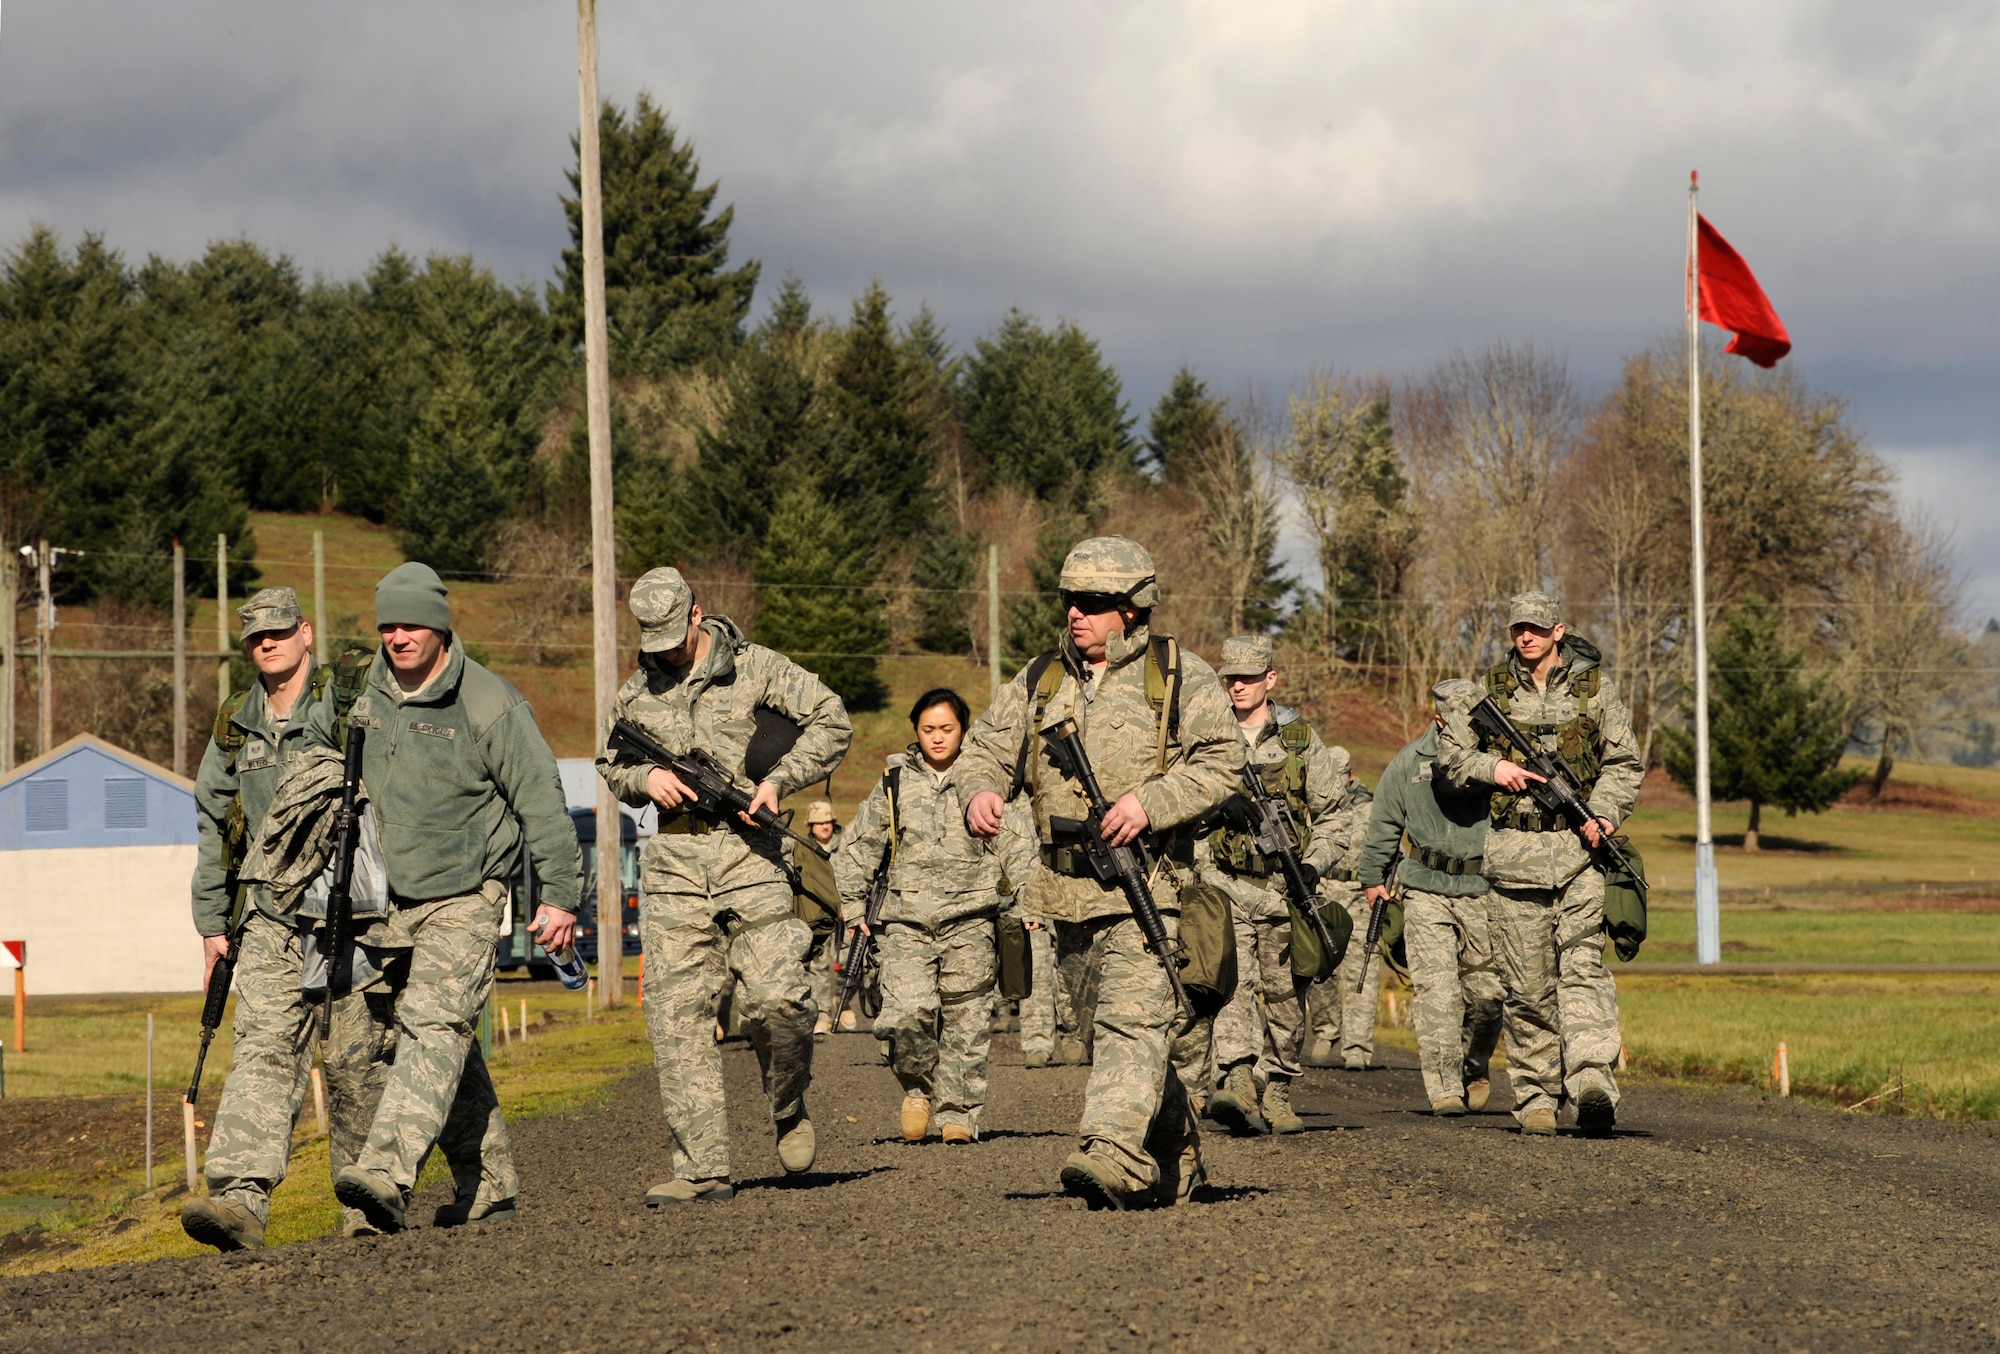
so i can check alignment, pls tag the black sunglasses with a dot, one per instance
(1092, 603)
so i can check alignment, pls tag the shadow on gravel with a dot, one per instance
(1316, 1123)
(810, 1179)
(985, 1135)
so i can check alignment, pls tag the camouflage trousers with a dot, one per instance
(694, 943)
(275, 1026)
(1455, 1001)
(819, 973)
(1343, 1018)
(1562, 1006)
(1260, 1025)
(1136, 1114)
(937, 1012)
(437, 1091)
(1039, 1020)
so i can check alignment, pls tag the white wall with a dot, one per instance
(102, 919)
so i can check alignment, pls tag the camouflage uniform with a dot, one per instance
(819, 891)
(1456, 994)
(1547, 904)
(717, 898)
(1343, 1018)
(935, 939)
(1137, 1127)
(1258, 1031)
(462, 785)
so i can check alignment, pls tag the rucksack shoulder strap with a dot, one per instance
(1044, 678)
(1295, 737)
(1499, 683)
(228, 736)
(1163, 690)
(892, 786)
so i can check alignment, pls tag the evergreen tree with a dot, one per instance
(885, 396)
(1185, 418)
(1044, 409)
(1035, 620)
(670, 296)
(1774, 738)
(453, 505)
(815, 602)
(944, 569)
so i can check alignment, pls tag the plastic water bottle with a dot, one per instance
(570, 969)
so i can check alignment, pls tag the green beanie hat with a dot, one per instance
(412, 594)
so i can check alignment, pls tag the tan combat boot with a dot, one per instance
(1447, 1107)
(1477, 1093)
(1235, 1105)
(798, 1145)
(223, 1224)
(1278, 1108)
(678, 1191)
(1539, 1122)
(915, 1118)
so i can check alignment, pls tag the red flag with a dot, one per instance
(1731, 298)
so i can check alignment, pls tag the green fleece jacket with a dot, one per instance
(260, 764)
(1414, 797)
(462, 782)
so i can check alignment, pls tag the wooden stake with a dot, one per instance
(45, 619)
(524, 1020)
(187, 1135)
(180, 660)
(1781, 1071)
(319, 1104)
(642, 978)
(149, 1102)
(222, 617)
(21, 1006)
(590, 997)
(10, 599)
(992, 624)
(506, 1027)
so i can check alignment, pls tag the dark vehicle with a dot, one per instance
(518, 947)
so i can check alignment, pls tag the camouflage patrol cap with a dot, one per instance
(819, 811)
(1245, 656)
(1538, 609)
(1456, 694)
(662, 601)
(1115, 565)
(272, 609)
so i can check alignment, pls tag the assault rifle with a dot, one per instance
(715, 793)
(1558, 791)
(340, 893)
(1378, 913)
(860, 958)
(1276, 839)
(219, 979)
(1127, 865)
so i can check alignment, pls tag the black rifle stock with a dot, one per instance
(1558, 791)
(1378, 914)
(1127, 864)
(861, 946)
(216, 998)
(715, 793)
(340, 893)
(1279, 841)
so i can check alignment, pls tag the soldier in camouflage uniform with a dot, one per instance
(461, 785)
(1455, 998)
(1257, 1033)
(817, 898)
(1343, 1006)
(935, 933)
(1158, 732)
(1547, 904)
(717, 898)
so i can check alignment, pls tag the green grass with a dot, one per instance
(1816, 936)
(1847, 1037)
(97, 1046)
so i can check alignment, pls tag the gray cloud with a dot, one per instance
(1253, 188)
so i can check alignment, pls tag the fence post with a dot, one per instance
(222, 617)
(992, 625)
(45, 618)
(149, 1102)
(10, 595)
(320, 638)
(180, 660)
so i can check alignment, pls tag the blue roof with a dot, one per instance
(89, 793)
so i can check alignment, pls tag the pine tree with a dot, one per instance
(1185, 418)
(1774, 738)
(943, 571)
(670, 296)
(1036, 620)
(815, 602)
(885, 397)
(452, 506)
(1043, 409)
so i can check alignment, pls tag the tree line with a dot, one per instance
(833, 478)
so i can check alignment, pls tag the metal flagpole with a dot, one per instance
(1707, 908)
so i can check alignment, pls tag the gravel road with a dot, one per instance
(1714, 1220)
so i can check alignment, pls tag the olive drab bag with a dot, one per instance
(1625, 905)
(1311, 963)
(1208, 947)
(1017, 958)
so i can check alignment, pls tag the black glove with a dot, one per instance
(1311, 876)
(1238, 812)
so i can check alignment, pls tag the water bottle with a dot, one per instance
(570, 969)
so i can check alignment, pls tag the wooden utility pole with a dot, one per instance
(10, 598)
(320, 639)
(993, 624)
(45, 619)
(222, 617)
(180, 661)
(603, 546)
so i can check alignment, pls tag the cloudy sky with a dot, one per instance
(1255, 188)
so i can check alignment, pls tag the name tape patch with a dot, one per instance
(434, 730)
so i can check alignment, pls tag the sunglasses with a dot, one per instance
(1091, 603)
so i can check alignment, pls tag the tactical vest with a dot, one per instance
(1236, 850)
(1578, 741)
(1163, 693)
(345, 677)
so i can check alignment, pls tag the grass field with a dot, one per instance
(77, 1202)
(1827, 936)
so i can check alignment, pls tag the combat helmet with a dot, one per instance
(1115, 566)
